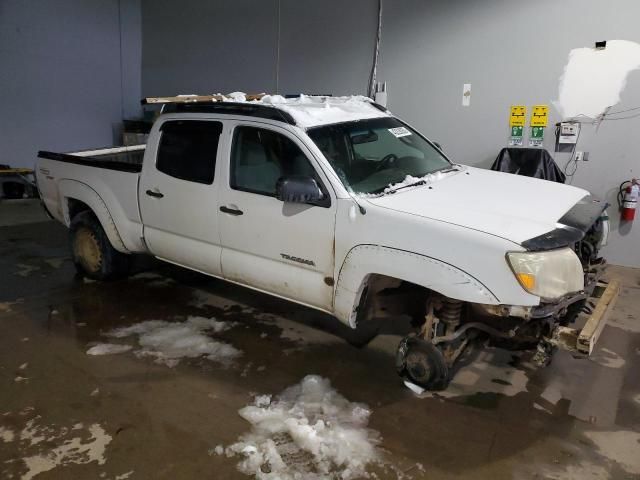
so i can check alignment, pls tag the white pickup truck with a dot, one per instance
(324, 200)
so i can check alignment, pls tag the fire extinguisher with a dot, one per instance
(628, 199)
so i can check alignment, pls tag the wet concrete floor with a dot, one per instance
(68, 415)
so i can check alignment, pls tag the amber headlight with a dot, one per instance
(550, 274)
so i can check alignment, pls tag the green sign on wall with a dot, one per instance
(537, 137)
(516, 136)
(537, 132)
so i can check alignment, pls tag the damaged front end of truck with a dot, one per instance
(571, 314)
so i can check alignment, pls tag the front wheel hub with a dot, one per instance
(422, 363)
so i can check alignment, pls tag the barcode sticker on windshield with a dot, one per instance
(399, 132)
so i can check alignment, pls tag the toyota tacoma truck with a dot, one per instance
(323, 201)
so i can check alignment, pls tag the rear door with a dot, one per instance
(178, 196)
(282, 248)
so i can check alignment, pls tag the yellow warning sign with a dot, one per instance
(518, 116)
(540, 115)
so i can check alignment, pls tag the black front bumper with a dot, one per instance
(571, 228)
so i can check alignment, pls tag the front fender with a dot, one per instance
(365, 260)
(81, 191)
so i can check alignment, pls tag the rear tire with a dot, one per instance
(93, 255)
(422, 363)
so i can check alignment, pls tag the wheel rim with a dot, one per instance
(87, 250)
(418, 367)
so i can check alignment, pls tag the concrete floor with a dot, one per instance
(69, 415)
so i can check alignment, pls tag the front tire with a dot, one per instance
(422, 363)
(93, 255)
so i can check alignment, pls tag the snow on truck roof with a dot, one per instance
(306, 110)
(311, 111)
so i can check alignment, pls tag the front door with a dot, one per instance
(178, 198)
(282, 248)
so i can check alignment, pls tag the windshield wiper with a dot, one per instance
(414, 184)
(452, 168)
(419, 183)
(387, 190)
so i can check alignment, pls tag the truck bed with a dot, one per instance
(124, 159)
(105, 179)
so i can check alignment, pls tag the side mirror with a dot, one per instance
(298, 189)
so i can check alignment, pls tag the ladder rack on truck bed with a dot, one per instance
(221, 105)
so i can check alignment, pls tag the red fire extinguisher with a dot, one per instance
(629, 196)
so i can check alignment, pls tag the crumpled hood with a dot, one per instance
(510, 206)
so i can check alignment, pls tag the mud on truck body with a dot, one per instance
(325, 201)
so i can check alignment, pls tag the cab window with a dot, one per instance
(260, 157)
(188, 150)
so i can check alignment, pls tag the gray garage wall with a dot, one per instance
(69, 71)
(512, 52)
(288, 46)
(208, 46)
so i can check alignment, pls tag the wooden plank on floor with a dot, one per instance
(594, 326)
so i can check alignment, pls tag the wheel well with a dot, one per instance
(391, 296)
(75, 207)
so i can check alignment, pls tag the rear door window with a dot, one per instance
(188, 150)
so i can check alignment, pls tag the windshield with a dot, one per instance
(370, 155)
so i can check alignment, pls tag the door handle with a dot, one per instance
(231, 211)
(151, 193)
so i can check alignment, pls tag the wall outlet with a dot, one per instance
(578, 156)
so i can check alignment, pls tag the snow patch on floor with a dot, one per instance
(582, 471)
(74, 450)
(6, 435)
(45, 447)
(34, 433)
(308, 432)
(124, 476)
(5, 307)
(169, 342)
(108, 349)
(623, 447)
(26, 270)
(55, 262)
(608, 358)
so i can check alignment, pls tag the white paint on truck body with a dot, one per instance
(451, 236)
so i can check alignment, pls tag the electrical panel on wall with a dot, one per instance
(567, 135)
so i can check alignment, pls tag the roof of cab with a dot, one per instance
(305, 111)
